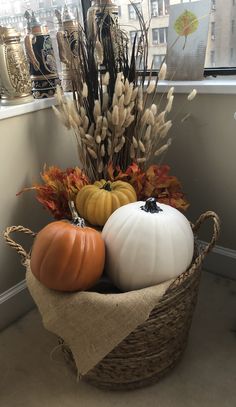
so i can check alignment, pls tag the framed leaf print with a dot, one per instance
(187, 40)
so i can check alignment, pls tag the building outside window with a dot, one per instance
(159, 35)
(232, 26)
(132, 11)
(132, 35)
(159, 7)
(213, 30)
(213, 5)
(157, 60)
(213, 58)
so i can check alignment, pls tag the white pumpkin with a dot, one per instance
(146, 244)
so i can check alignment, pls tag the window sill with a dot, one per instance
(206, 86)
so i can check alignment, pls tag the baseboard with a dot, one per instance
(14, 303)
(221, 261)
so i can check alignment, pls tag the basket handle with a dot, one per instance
(216, 231)
(24, 255)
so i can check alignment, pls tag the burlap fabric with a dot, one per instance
(92, 324)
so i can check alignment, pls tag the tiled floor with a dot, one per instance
(31, 376)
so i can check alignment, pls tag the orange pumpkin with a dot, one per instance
(68, 256)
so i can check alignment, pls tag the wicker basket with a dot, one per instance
(155, 346)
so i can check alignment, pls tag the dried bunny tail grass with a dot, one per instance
(62, 117)
(129, 120)
(161, 117)
(109, 147)
(192, 95)
(82, 112)
(121, 101)
(140, 99)
(105, 101)
(59, 95)
(85, 90)
(114, 100)
(128, 95)
(132, 152)
(169, 104)
(91, 129)
(96, 109)
(154, 109)
(115, 115)
(118, 88)
(92, 153)
(89, 138)
(162, 72)
(150, 118)
(134, 94)
(122, 116)
(73, 112)
(141, 160)
(185, 117)
(134, 142)
(106, 79)
(100, 167)
(147, 134)
(141, 146)
(161, 150)
(151, 87)
(170, 92)
(102, 151)
(86, 123)
(165, 129)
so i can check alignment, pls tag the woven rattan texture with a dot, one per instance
(153, 348)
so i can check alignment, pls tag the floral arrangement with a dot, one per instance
(120, 123)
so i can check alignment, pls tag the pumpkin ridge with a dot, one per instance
(101, 209)
(90, 214)
(80, 269)
(45, 256)
(70, 255)
(38, 265)
(76, 273)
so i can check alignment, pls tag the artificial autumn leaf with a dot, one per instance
(186, 24)
(155, 182)
(59, 187)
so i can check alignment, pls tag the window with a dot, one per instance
(132, 35)
(231, 55)
(159, 35)
(159, 7)
(213, 58)
(157, 60)
(213, 30)
(232, 26)
(132, 11)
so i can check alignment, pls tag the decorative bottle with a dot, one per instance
(15, 83)
(43, 69)
(67, 36)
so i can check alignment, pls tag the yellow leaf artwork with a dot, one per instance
(186, 24)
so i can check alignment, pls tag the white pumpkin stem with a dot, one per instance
(151, 206)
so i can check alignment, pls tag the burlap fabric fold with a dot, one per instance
(93, 324)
